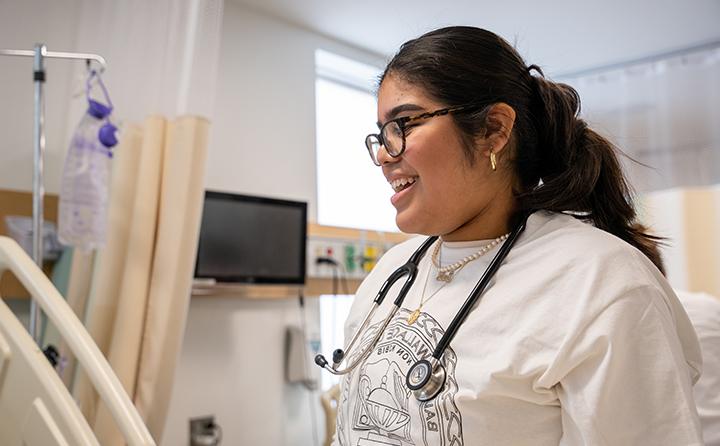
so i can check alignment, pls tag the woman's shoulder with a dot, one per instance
(568, 239)
(566, 253)
(582, 272)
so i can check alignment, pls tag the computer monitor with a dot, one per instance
(250, 239)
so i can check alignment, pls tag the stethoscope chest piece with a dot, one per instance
(426, 378)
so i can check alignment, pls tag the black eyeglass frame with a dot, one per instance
(401, 123)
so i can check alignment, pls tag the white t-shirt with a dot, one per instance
(704, 312)
(578, 340)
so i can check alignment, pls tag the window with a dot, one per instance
(352, 192)
(333, 312)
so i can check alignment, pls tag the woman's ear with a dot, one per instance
(500, 122)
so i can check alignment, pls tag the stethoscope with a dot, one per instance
(426, 377)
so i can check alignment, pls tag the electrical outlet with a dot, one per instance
(323, 256)
(350, 259)
(355, 258)
(204, 431)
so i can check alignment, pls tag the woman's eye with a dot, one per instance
(396, 130)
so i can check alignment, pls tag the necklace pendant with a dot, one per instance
(414, 316)
(445, 276)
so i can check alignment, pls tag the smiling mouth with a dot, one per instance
(402, 183)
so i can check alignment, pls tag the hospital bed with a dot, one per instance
(35, 407)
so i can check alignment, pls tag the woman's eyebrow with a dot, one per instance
(399, 109)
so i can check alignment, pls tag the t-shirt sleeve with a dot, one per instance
(623, 378)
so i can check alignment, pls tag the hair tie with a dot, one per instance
(532, 67)
(579, 130)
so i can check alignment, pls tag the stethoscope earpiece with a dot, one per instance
(320, 360)
(338, 356)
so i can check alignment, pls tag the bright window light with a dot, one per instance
(333, 312)
(352, 191)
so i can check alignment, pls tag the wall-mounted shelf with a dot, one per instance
(21, 203)
(312, 288)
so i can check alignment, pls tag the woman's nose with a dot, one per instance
(383, 157)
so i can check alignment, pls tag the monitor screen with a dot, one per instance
(251, 239)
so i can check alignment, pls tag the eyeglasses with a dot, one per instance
(392, 133)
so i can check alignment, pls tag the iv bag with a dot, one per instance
(84, 185)
(84, 188)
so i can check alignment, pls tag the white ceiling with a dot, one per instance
(562, 36)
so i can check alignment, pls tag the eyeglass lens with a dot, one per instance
(392, 136)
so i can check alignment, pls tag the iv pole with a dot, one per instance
(39, 54)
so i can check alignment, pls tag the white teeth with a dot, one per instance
(400, 183)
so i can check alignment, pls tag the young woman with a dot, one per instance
(577, 338)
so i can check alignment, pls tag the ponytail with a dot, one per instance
(578, 169)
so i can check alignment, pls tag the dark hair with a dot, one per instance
(561, 165)
(652, 247)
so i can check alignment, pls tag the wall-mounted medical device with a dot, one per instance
(298, 359)
(250, 239)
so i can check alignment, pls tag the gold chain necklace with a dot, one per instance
(446, 273)
(423, 300)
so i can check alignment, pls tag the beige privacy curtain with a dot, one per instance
(689, 218)
(141, 283)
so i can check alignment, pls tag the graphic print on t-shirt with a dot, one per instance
(382, 410)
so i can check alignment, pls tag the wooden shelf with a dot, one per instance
(314, 287)
(316, 230)
(20, 203)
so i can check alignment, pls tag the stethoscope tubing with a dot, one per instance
(476, 293)
(365, 353)
(409, 269)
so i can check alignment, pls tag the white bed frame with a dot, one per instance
(35, 407)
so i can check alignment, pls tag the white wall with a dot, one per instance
(232, 366)
(262, 143)
(263, 136)
(22, 25)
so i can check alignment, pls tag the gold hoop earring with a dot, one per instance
(493, 161)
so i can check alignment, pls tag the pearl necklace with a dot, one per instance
(446, 273)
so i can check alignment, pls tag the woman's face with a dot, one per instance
(444, 194)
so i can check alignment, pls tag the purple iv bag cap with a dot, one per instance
(98, 110)
(107, 135)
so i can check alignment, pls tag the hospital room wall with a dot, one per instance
(262, 143)
(53, 23)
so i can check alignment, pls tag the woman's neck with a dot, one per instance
(489, 224)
